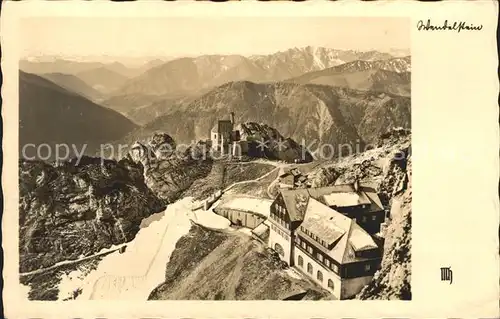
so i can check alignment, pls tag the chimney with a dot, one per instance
(232, 118)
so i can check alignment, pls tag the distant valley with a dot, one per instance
(50, 114)
(311, 112)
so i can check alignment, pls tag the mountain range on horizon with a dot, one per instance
(190, 74)
(309, 93)
(136, 61)
(160, 77)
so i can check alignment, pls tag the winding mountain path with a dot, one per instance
(75, 261)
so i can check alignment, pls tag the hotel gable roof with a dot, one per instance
(336, 195)
(342, 235)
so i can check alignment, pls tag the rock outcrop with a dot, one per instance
(170, 170)
(269, 143)
(383, 167)
(77, 209)
(393, 280)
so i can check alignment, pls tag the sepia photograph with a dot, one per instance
(215, 158)
(250, 159)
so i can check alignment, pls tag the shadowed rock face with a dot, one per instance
(170, 170)
(393, 280)
(162, 144)
(73, 210)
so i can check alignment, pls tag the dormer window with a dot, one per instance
(335, 268)
(320, 257)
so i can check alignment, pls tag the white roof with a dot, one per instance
(341, 199)
(361, 240)
(324, 222)
(250, 204)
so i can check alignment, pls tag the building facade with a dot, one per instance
(326, 245)
(241, 218)
(226, 140)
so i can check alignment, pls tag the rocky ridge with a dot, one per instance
(393, 280)
(101, 202)
(169, 170)
(272, 145)
(317, 114)
(77, 209)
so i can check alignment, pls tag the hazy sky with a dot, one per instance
(193, 36)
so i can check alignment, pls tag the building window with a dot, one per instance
(367, 267)
(330, 284)
(309, 268)
(303, 244)
(364, 219)
(320, 257)
(335, 268)
(327, 262)
(319, 276)
(374, 217)
(310, 249)
(301, 261)
(286, 225)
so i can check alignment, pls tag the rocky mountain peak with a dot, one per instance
(162, 144)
